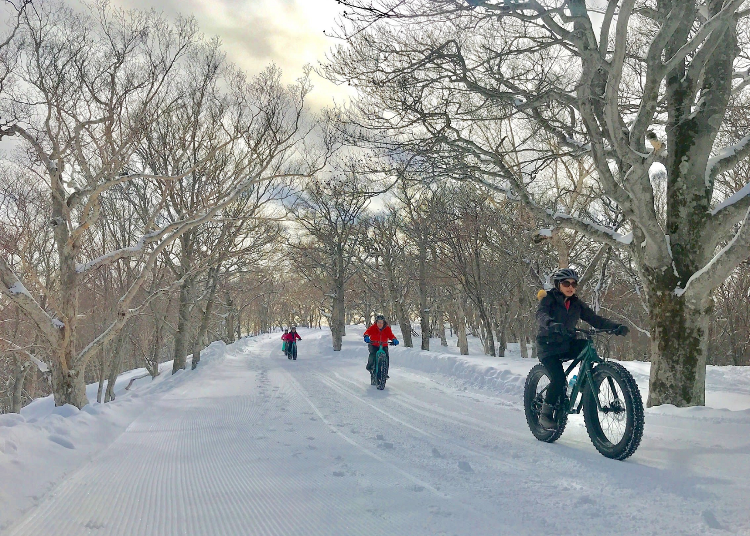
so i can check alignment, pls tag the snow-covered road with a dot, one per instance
(253, 443)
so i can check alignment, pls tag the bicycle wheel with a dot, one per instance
(533, 398)
(381, 368)
(615, 430)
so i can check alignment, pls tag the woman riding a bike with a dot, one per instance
(290, 339)
(557, 316)
(376, 336)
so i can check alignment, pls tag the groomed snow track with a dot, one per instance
(254, 444)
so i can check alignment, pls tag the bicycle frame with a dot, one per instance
(587, 358)
(379, 355)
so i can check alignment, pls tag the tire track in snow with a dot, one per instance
(367, 451)
(441, 439)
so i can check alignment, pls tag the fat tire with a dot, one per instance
(382, 373)
(633, 407)
(532, 414)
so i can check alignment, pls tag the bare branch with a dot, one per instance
(13, 289)
(721, 265)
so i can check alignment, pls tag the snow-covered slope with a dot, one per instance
(252, 443)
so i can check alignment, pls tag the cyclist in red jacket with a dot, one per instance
(283, 338)
(290, 338)
(379, 332)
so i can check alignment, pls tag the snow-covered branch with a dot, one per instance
(727, 159)
(30, 358)
(14, 289)
(744, 78)
(722, 264)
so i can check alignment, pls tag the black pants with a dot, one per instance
(371, 359)
(554, 365)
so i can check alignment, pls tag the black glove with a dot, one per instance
(621, 330)
(556, 328)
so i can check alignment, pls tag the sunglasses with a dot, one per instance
(567, 284)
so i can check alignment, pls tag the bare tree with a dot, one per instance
(331, 213)
(419, 226)
(388, 242)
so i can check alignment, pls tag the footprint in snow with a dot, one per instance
(465, 466)
(437, 511)
(710, 519)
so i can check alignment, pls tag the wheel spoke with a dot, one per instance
(612, 415)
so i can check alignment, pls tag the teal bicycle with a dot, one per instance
(610, 401)
(379, 372)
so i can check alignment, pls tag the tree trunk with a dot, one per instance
(183, 327)
(229, 325)
(152, 363)
(398, 302)
(502, 338)
(68, 387)
(200, 338)
(522, 341)
(463, 341)
(102, 374)
(440, 319)
(19, 377)
(338, 315)
(424, 310)
(489, 339)
(678, 347)
(404, 323)
(114, 369)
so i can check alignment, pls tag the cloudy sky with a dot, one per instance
(258, 32)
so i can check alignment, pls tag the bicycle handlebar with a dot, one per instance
(594, 331)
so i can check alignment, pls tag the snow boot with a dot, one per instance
(546, 419)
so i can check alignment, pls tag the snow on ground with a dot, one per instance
(252, 443)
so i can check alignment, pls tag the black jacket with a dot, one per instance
(552, 310)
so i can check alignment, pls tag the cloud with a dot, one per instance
(255, 33)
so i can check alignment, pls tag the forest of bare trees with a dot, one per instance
(154, 198)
